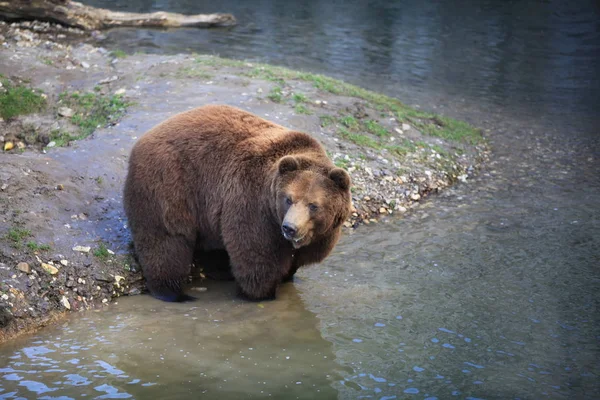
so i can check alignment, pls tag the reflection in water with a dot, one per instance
(218, 347)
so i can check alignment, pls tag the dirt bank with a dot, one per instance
(64, 243)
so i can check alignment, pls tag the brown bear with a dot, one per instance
(219, 178)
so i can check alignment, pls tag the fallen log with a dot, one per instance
(78, 15)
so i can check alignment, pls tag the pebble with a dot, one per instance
(51, 269)
(4, 186)
(64, 262)
(415, 196)
(24, 267)
(60, 186)
(85, 65)
(65, 112)
(65, 302)
(51, 144)
(120, 91)
(405, 127)
(83, 249)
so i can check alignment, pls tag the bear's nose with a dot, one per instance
(289, 230)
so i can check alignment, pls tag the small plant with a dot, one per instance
(16, 235)
(341, 163)
(276, 95)
(93, 110)
(349, 122)
(326, 120)
(192, 72)
(99, 180)
(376, 129)
(118, 53)
(33, 246)
(101, 251)
(359, 139)
(300, 98)
(19, 100)
(302, 109)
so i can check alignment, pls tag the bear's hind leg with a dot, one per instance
(166, 261)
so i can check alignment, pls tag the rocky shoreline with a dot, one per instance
(64, 244)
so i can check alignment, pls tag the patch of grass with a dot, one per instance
(16, 235)
(326, 120)
(93, 110)
(191, 72)
(302, 109)
(101, 251)
(276, 95)
(341, 163)
(300, 98)
(33, 246)
(61, 138)
(118, 53)
(349, 122)
(376, 129)
(428, 123)
(47, 61)
(19, 100)
(359, 139)
(99, 180)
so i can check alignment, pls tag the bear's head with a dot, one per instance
(311, 200)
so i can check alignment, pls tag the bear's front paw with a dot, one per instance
(256, 294)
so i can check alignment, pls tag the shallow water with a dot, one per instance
(486, 291)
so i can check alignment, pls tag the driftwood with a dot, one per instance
(78, 15)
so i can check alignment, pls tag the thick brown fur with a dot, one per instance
(219, 178)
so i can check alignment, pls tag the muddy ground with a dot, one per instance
(64, 243)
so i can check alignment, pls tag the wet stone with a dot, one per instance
(24, 267)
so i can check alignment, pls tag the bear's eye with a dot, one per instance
(313, 207)
(288, 201)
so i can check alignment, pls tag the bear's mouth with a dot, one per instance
(296, 241)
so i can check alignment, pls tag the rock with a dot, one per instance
(20, 145)
(51, 144)
(60, 186)
(66, 112)
(108, 80)
(4, 186)
(104, 301)
(65, 303)
(85, 65)
(51, 269)
(405, 127)
(120, 91)
(383, 210)
(64, 262)
(24, 267)
(415, 196)
(8, 146)
(401, 209)
(200, 289)
(82, 249)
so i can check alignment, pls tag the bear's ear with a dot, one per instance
(340, 177)
(288, 164)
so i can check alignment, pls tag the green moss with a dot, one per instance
(300, 98)
(19, 100)
(93, 110)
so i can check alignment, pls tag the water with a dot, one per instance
(487, 291)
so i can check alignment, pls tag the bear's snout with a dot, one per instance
(289, 230)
